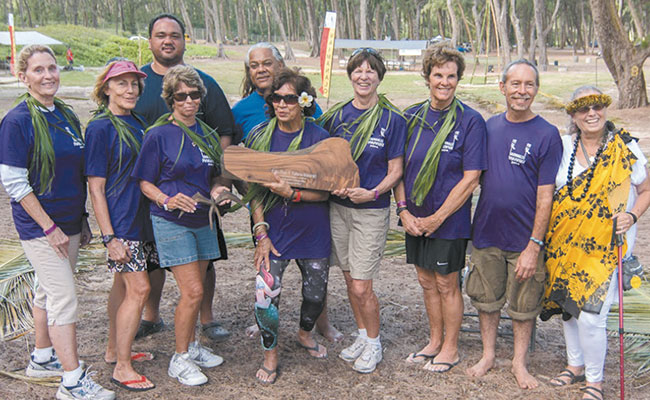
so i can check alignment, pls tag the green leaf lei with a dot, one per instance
(125, 136)
(209, 142)
(260, 140)
(365, 123)
(427, 173)
(43, 160)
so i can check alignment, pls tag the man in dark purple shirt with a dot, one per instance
(524, 153)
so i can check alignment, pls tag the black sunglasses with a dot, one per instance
(289, 99)
(182, 96)
(368, 50)
(595, 107)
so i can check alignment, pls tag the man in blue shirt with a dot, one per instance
(167, 44)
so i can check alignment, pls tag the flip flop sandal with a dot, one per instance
(314, 348)
(593, 392)
(269, 372)
(137, 357)
(442, 371)
(425, 357)
(566, 373)
(126, 384)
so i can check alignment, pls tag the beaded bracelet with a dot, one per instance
(376, 194)
(50, 229)
(298, 196)
(401, 204)
(537, 241)
(634, 217)
(260, 237)
(257, 225)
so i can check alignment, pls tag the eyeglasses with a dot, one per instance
(595, 107)
(182, 96)
(368, 50)
(289, 99)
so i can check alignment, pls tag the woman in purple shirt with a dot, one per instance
(180, 159)
(445, 154)
(290, 223)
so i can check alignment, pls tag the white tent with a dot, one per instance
(26, 38)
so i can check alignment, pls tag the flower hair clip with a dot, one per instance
(305, 100)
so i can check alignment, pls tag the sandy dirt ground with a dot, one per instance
(404, 329)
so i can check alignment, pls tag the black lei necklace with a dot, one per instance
(590, 172)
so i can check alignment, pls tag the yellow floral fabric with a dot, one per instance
(580, 256)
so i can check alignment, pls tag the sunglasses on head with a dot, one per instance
(595, 107)
(368, 50)
(182, 96)
(289, 99)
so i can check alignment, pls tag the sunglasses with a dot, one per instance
(595, 107)
(289, 99)
(182, 96)
(368, 50)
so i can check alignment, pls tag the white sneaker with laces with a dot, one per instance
(46, 369)
(370, 357)
(203, 356)
(182, 367)
(353, 352)
(86, 389)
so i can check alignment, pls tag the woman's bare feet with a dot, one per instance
(306, 340)
(427, 353)
(268, 371)
(481, 367)
(330, 333)
(252, 331)
(127, 376)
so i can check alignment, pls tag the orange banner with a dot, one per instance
(327, 52)
(12, 39)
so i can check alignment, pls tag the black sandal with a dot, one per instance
(593, 392)
(566, 373)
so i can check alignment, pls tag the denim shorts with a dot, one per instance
(178, 245)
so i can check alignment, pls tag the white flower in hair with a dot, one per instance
(305, 100)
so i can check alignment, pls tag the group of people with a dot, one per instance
(150, 159)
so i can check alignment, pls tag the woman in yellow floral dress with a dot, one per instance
(602, 176)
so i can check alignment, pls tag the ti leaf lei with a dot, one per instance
(209, 142)
(365, 123)
(260, 140)
(427, 173)
(43, 159)
(125, 137)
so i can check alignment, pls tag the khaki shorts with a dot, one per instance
(55, 290)
(492, 281)
(358, 239)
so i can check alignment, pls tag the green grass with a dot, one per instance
(79, 78)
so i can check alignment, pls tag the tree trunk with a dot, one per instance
(478, 47)
(395, 19)
(377, 21)
(542, 32)
(29, 14)
(583, 28)
(187, 20)
(454, 23)
(441, 25)
(267, 12)
(519, 35)
(363, 19)
(638, 25)
(207, 14)
(532, 46)
(288, 52)
(501, 13)
(418, 16)
(624, 61)
(242, 24)
(313, 28)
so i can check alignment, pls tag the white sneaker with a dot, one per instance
(181, 367)
(86, 388)
(367, 362)
(353, 352)
(202, 356)
(46, 369)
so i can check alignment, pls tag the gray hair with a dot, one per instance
(174, 76)
(264, 45)
(504, 74)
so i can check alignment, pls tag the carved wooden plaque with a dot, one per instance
(327, 165)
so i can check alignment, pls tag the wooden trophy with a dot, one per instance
(327, 165)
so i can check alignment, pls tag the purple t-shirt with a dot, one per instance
(464, 150)
(191, 172)
(386, 143)
(521, 157)
(65, 202)
(127, 206)
(299, 230)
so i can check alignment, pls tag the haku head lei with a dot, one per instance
(126, 137)
(590, 100)
(43, 160)
(427, 173)
(365, 123)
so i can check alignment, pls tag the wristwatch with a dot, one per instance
(106, 239)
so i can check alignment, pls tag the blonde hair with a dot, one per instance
(98, 95)
(176, 75)
(27, 52)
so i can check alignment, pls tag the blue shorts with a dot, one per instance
(178, 245)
